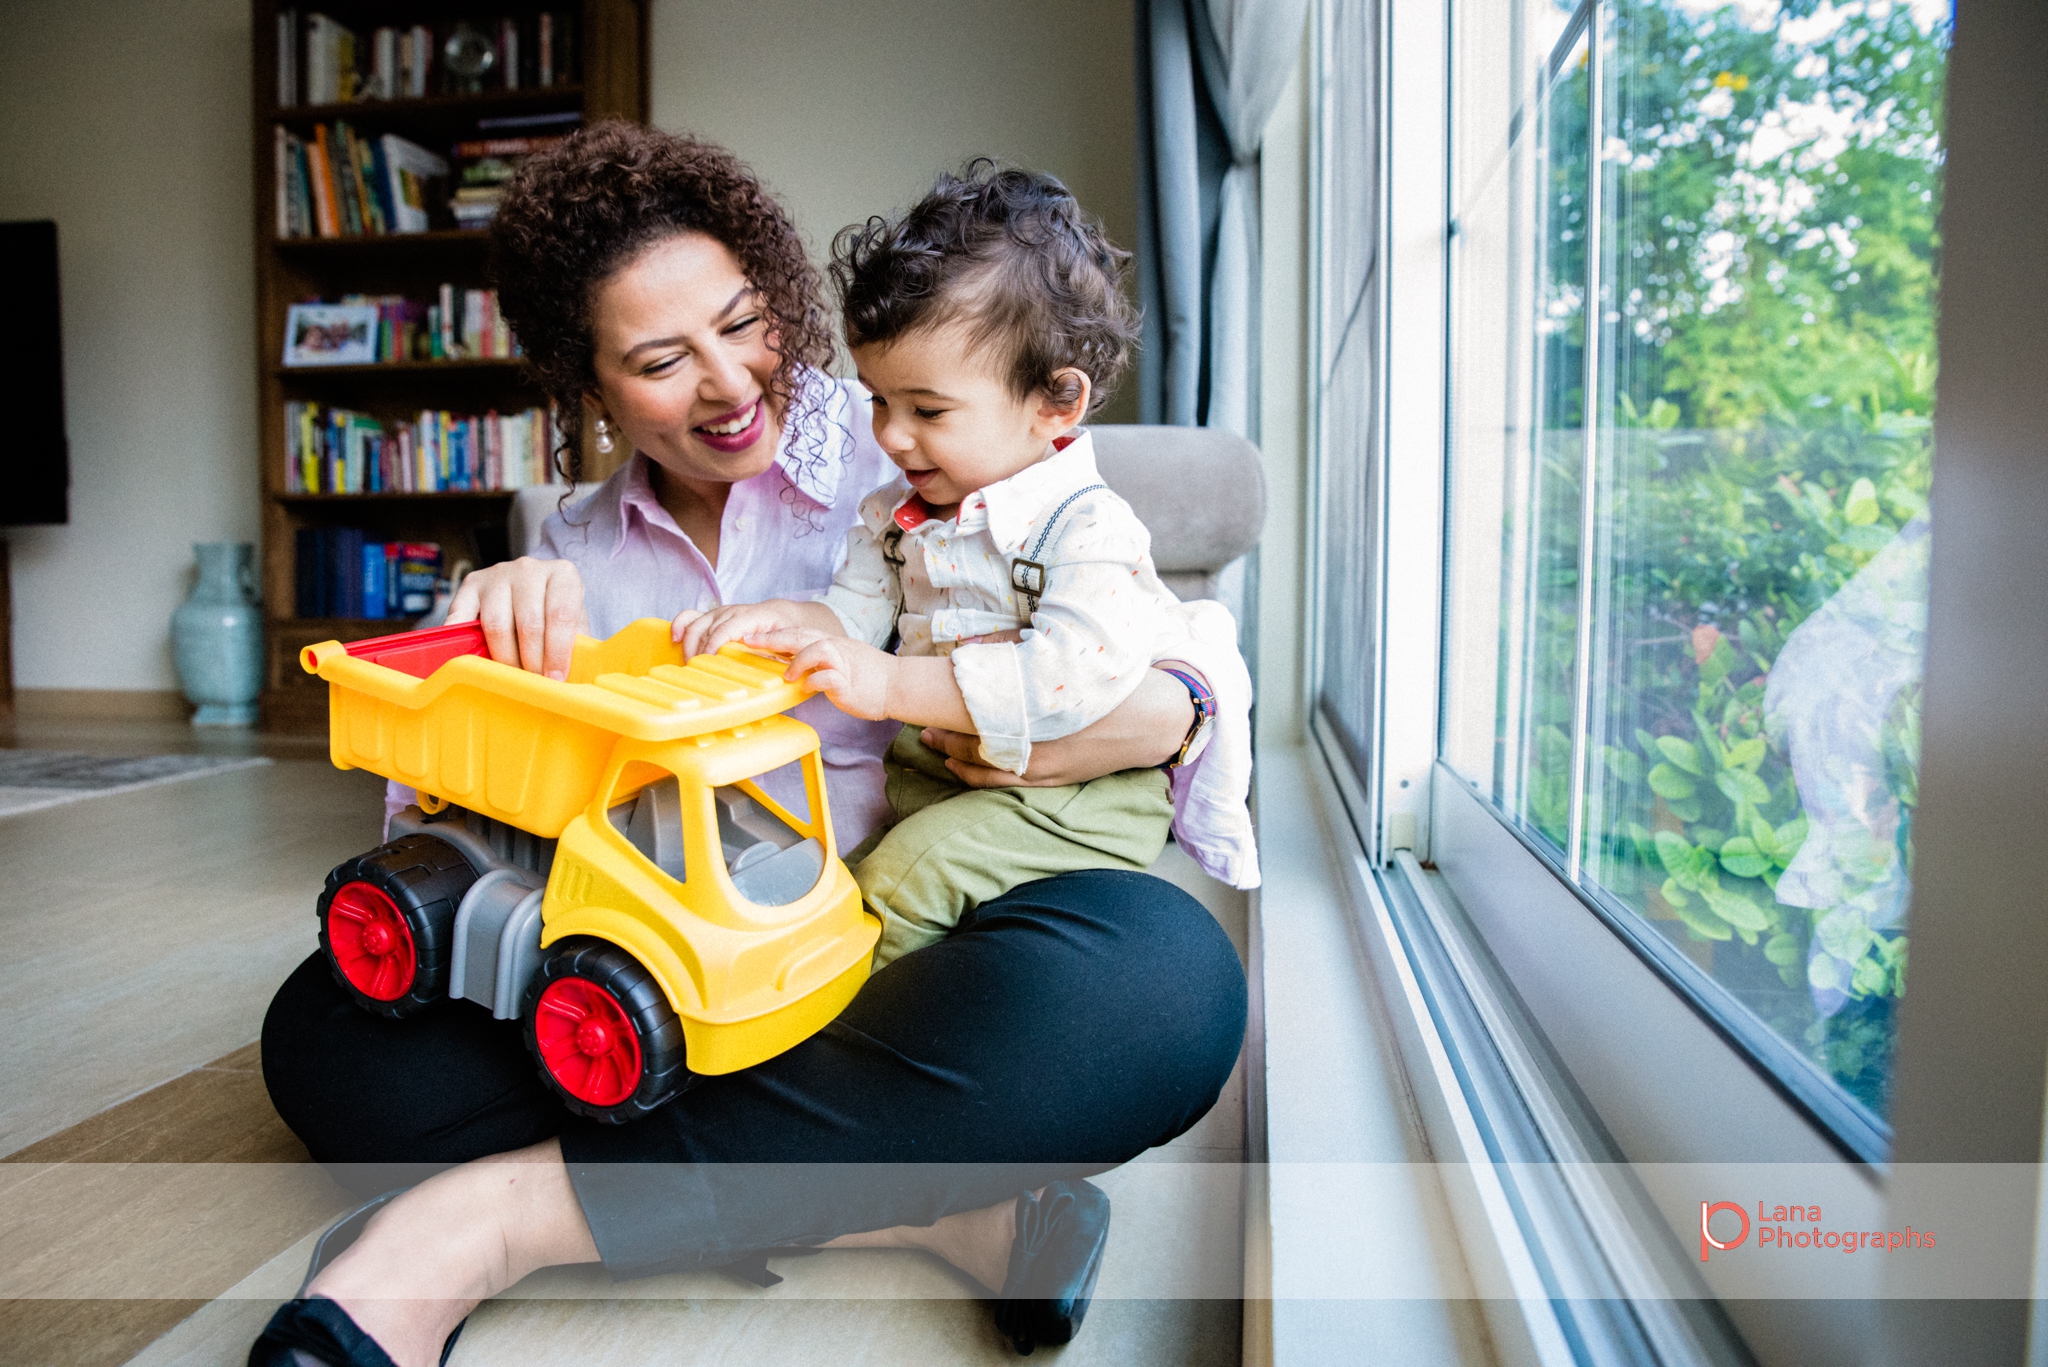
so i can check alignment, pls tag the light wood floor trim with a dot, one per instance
(100, 704)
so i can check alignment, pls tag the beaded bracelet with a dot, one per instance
(1205, 710)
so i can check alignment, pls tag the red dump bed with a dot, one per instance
(420, 653)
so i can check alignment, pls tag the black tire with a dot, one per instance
(425, 880)
(657, 1034)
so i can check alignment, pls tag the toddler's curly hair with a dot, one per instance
(1011, 252)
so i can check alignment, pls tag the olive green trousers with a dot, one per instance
(954, 847)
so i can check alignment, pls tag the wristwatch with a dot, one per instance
(1205, 711)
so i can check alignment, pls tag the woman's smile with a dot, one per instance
(735, 430)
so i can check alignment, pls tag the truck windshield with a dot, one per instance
(770, 862)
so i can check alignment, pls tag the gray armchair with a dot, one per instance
(1202, 494)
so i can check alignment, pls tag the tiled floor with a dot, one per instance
(146, 932)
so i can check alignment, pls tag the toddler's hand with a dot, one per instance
(853, 674)
(701, 633)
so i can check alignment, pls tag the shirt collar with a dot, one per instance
(1013, 508)
(1009, 508)
(811, 460)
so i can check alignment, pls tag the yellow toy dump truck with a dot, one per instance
(637, 863)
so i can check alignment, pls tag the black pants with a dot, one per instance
(1062, 1029)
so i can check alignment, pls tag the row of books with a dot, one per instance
(484, 168)
(340, 184)
(340, 572)
(366, 329)
(342, 451)
(320, 61)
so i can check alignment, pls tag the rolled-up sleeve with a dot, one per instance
(865, 595)
(1090, 642)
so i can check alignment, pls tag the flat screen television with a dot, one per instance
(35, 456)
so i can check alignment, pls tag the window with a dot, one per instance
(1691, 377)
(1687, 361)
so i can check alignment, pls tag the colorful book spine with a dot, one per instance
(373, 588)
(325, 215)
(342, 148)
(365, 176)
(419, 565)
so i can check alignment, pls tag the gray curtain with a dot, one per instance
(1209, 75)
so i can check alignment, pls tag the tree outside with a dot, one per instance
(1771, 178)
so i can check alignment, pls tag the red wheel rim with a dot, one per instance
(589, 1046)
(371, 942)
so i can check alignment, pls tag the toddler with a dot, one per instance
(1017, 592)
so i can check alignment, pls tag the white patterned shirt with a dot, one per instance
(1102, 619)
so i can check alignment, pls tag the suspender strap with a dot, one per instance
(1027, 576)
(892, 552)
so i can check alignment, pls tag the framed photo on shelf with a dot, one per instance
(330, 334)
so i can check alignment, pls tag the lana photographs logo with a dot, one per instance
(1772, 1230)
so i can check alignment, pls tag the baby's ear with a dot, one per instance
(1064, 400)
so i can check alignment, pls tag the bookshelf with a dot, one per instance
(606, 78)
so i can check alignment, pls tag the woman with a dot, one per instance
(1061, 1030)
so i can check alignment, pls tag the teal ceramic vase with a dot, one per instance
(217, 635)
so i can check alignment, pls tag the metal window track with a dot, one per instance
(1579, 1236)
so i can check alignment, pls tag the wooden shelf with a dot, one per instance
(452, 238)
(487, 365)
(467, 523)
(434, 107)
(404, 496)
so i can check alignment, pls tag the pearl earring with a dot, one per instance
(604, 437)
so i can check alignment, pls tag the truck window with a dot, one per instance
(770, 862)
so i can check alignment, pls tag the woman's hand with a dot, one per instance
(531, 611)
(702, 632)
(1144, 731)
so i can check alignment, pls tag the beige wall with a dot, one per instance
(129, 124)
(850, 109)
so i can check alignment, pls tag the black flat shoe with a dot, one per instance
(1054, 1262)
(342, 1234)
(317, 1332)
(313, 1331)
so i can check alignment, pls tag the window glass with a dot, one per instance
(1517, 368)
(1547, 445)
(1736, 762)
(1348, 327)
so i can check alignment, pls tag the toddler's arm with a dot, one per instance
(865, 682)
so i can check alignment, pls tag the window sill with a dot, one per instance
(1361, 1259)
(1427, 1185)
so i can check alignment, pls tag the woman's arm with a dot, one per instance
(1145, 730)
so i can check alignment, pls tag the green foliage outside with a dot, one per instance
(1772, 201)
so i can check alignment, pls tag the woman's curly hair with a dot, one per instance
(578, 212)
(1010, 251)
